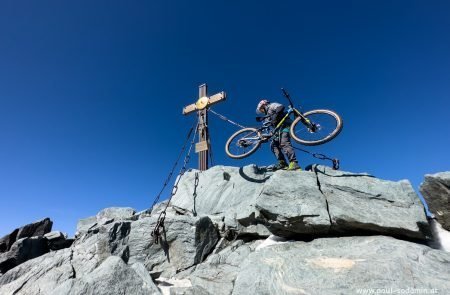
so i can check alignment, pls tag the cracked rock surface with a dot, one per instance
(248, 231)
(365, 203)
(322, 201)
(342, 266)
(28, 242)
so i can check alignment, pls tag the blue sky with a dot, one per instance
(91, 92)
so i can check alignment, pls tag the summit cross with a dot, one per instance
(204, 101)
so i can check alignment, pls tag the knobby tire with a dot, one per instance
(327, 138)
(235, 135)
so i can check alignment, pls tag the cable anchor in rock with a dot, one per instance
(156, 234)
(194, 195)
(335, 161)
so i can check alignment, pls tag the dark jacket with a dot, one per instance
(276, 112)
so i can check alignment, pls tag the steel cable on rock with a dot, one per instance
(166, 182)
(335, 161)
(160, 222)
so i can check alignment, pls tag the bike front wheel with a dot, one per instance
(324, 125)
(243, 143)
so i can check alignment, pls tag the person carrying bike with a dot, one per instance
(281, 142)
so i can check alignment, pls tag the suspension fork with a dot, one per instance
(304, 120)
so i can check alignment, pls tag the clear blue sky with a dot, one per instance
(91, 92)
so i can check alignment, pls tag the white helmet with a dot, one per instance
(262, 106)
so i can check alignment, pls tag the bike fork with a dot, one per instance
(304, 120)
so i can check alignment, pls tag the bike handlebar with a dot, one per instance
(287, 96)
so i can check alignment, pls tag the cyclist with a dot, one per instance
(281, 142)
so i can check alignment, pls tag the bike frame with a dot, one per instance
(290, 110)
(251, 137)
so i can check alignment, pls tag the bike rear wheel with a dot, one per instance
(326, 125)
(243, 143)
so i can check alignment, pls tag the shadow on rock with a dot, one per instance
(256, 170)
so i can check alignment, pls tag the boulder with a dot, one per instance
(56, 240)
(113, 276)
(323, 228)
(116, 213)
(436, 191)
(360, 202)
(21, 251)
(291, 203)
(299, 204)
(7, 241)
(35, 229)
(184, 242)
(196, 290)
(219, 271)
(105, 216)
(93, 247)
(40, 275)
(343, 266)
(84, 224)
(229, 191)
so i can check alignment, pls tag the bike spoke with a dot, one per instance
(325, 123)
(244, 143)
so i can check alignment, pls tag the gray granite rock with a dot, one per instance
(115, 253)
(116, 213)
(230, 191)
(113, 276)
(107, 215)
(38, 276)
(359, 202)
(253, 232)
(436, 191)
(35, 229)
(21, 251)
(195, 290)
(299, 203)
(7, 241)
(57, 240)
(291, 203)
(218, 273)
(185, 242)
(92, 248)
(85, 224)
(55, 235)
(342, 266)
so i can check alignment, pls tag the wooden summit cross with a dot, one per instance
(202, 147)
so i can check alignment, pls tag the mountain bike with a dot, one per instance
(311, 128)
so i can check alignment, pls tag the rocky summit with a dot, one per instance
(247, 230)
